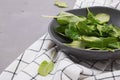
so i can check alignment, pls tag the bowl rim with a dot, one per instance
(60, 43)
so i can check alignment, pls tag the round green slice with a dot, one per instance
(102, 17)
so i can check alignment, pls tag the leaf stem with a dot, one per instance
(49, 16)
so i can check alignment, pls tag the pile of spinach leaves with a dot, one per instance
(89, 32)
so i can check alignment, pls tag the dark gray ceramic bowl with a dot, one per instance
(83, 53)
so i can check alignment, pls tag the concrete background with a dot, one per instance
(21, 25)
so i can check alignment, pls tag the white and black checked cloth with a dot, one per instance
(26, 65)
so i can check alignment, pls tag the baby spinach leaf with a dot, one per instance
(91, 18)
(76, 44)
(115, 45)
(61, 4)
(72, 31)
(92, 42)
(90, 39)
(66, 18)
(82, 27)
(116, 32)
(102, 17)
(71, 34)
(85, 29)
(97, 43)
(45, 68)
(61, 29)
(100, 28)
(105, 30)
(82, 18)
(108, 40)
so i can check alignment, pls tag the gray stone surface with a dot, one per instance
(21, 25)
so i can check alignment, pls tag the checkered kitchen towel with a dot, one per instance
(26, 65)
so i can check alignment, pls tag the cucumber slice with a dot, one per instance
(102, 17)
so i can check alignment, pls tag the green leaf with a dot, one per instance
(116, 31)
(82, 27)
(105, 30)
(91, 18)
(100, 28)
(76, 44)
(85, 29)
(60, 4)
(115, 45)
(72, 31)
(97, 43)
(102, 17)
(66, 18)
(90, 39)
(92, 42)
(61, 29)
(71, 34)
(82, 18)
(45, 68)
